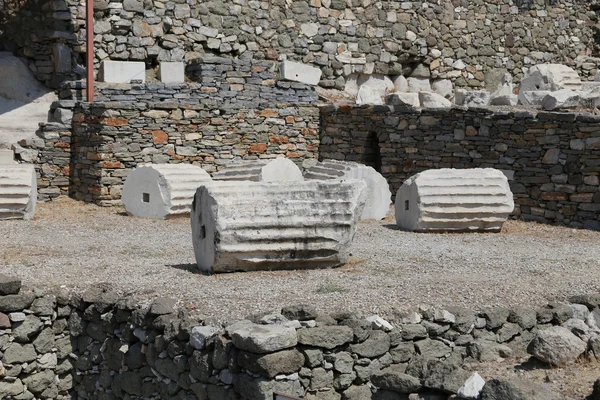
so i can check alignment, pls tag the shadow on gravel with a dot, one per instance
(394, 227)
(193, 268)
(531, 364)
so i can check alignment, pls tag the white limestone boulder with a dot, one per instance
(472, 98)
(564, 98)
(551, 77)
(379, 196)
(18, 188)
(433, 100)
(400, 84)
(369, 95)
(446, 199)
(443, 87)
(417, 85)
(248, 226)
(162, 190)
(403, 99)
(278, 169)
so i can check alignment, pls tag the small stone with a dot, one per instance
(200, 335)
(379, 323)
(9, 285)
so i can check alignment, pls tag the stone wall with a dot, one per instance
(43, 32)
(552, 159)
(470, 42)
(56, 344)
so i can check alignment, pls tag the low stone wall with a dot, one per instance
(552, 159)
(55, 345)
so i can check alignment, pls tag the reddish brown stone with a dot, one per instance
(159, 137)
(308, 131)
(279, 139)
(554, 196)
(111, 164)
(289, 119)
(63, 145)
(258, 147)
(269, 113)
(4, 321)
(117, 121)
(293, 154)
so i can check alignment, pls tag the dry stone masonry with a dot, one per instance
(379, 197)
(247, 226)
(162, 190)
(56, 344)
(18, 188)
(462, 200)
(279, 169)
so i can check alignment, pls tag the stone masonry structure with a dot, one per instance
(552, 159)
(57, 344)
(471, 42)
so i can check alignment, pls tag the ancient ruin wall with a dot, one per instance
(552, 159)
(57, 344)
(470, 42)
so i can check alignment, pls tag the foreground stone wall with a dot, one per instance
(471, 42)
(56, 344)
(552, 160)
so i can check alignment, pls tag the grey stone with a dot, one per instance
(484, 350)
(393, 378)
(328, 337)
(162, 306)
(38, 382)
(300, 312)
(556, 346)
(432, 348)
(516, 390)
(508, 331)
(525, 317)
(44, 342)
(44, 306)
(27, 329)
(445, 376)
(14, 388)
(377, 344)
(561, 99)
(403, 352)
(200, 335)
(413, 332)
(9, 285)
(16, 302)
(589, 300)
(495, 317)
(343, 362)
(357, 393)
(264, 338)
(314, 357)
(321, 379)
(270, 365)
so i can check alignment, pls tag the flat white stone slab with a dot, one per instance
(471, 98)
(7, 157)
(379, 196)
(403, 99)
(278, 169)
(162, 190)
(446, 199)
(171, 72)
(122, 71)
(248, 226)
(551, 77)
(18, 191)
(298, 72)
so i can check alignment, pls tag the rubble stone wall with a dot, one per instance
(55, 344)
(470, 42)
(552, 159)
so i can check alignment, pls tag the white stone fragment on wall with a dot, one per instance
(122, 71)
(368, 95)
(298, 72)
(278, 169)
(400, 84)
(7, 157)
(551, 77)
(162, 190)
(433, 100)
(564, 98)
(416, 85)
(403, 99)
(532, 97)
(18, 190)
(171, 72)
(379, 196)
(445, 199)
(443, 87)
(471, 98)
(504, 96)
(247, 226)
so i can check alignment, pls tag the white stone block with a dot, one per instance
(564, 98)
(247, 226)
(437, 200)
(551, 77)
(171, 72)
(533, 97)
(471, 98)
(7, 157)
(122, 71)
(416, 85)
(504, 96)
(369, 95)
(400, 84)
(279, 169)
(403, 99)
(298, 72)
(162, 190)
(18, 191)
(379, 196)
(433, 100)
(443, 87)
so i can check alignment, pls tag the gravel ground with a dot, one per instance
(75, 244)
